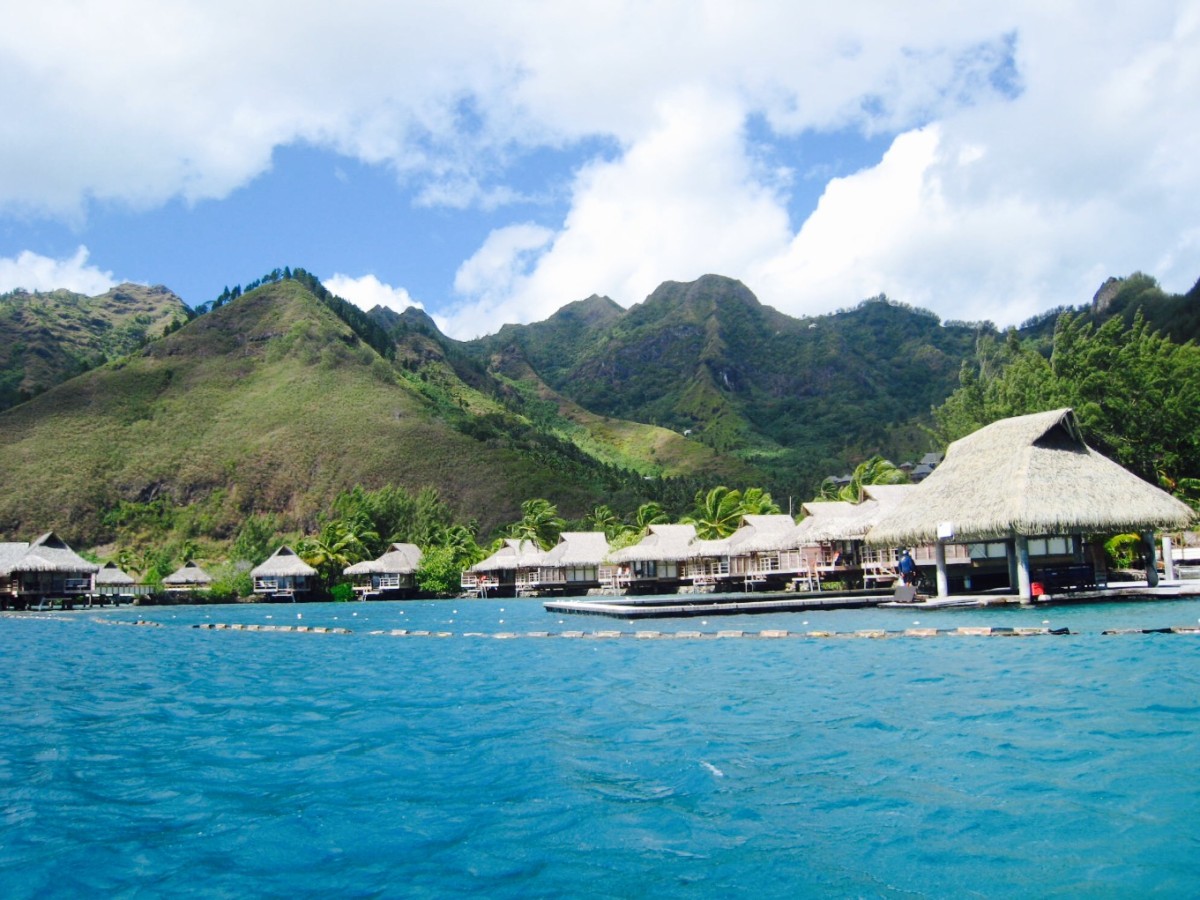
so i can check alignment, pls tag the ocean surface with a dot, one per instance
(166, 761)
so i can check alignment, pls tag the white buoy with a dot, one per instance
(299, 615)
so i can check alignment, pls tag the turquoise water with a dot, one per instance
(147, 762)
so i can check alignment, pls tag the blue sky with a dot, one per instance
(492, 162)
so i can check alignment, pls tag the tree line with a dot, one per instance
(1136, 394)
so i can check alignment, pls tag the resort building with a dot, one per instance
(572, 566)
(516, 562)
(763, 553)
(46, 570)
(654, 565)
(283, 576)
(187, 579)
(1022, 495)
(833, 536)
(391, 576)
(116, 586)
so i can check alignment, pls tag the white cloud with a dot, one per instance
(367, 292)
(33, 272)
(1034, 150)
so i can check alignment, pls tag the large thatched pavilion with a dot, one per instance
(1029, 476)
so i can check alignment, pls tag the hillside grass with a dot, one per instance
(267, 404)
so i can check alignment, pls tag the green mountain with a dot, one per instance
(278, 399)
(791, 397)
(274, 403)
(50, 337)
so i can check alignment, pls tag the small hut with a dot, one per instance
(762, 552)
(1022, 479)
(283, 576)
(391, 575)
(572, 566)
(655, 564)
(187, 579)
(507, 571)
(833, 534)
(115, 585)
(44, 570)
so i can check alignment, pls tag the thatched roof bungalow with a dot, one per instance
(1023, 477)
(763, 548)
(188, 577)
(656, 561)
(283, 576)
(498, 573)
(573, 564)
(111, 576)
(45, 568)
(392, 574)
(111, 581)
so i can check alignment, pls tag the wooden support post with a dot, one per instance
(943, 580)
(1151, 562)
(1024, 582)
(1168, 559)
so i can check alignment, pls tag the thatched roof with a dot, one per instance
(112, 576)
(757, 534)
(1029, 475)
(400, 559)
(187, 575)
(838, 520)
(664, 543)
(826, 520)
(49, 553)
(577, 548)
(515, 554)
(283, 563)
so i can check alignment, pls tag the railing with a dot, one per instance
(77, 585)
(266, 585)
(614, 578)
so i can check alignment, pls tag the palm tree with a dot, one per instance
(602, 518)
(540, 523)
(648, 514)
(717, 513)
(875, 470)
(757, 502)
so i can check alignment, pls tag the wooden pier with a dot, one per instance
(685, 605)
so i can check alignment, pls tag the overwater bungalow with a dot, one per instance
(572, 566)
(833, 537)
(1023, 494)
(112, 585)
(187, 579)
(515, 563)
(392, 576)
(283, 576)
(762, 553)
(654, 565)
(44, 571)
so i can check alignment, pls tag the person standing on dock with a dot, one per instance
(907, 568)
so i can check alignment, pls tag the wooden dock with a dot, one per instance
(689, 605)
(685, 605)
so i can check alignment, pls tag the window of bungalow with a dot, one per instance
(1052, 546)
